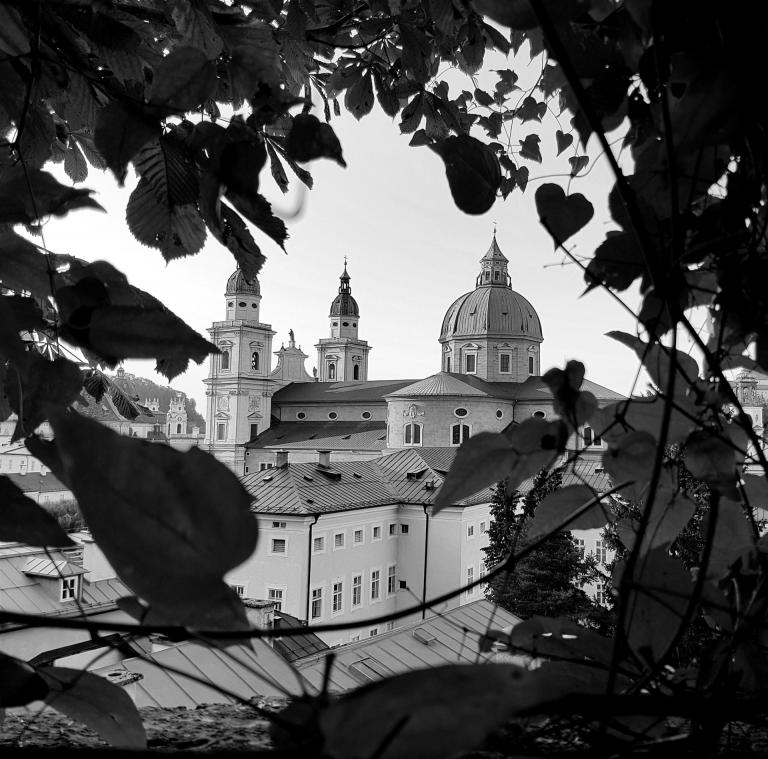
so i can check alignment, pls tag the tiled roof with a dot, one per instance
(579, 473)
(169, 677)
(439, 384)
(450, 638)
(335, 436)
(35, 482)
(372, 391)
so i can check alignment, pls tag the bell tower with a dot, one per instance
(343, 357)
(239, 389)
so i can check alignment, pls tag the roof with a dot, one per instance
(335, 436)
(295, 647)
(494, 252)
(42, 566)
(238, 284)
(168, 677)
(449, 638)
(35, 482)
(579, 473)
(491, 310)
(23, 592)
(442, 383)
(371, 391)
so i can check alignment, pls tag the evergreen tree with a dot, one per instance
(547, 581)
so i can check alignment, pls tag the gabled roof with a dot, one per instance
(372, 391)
(441, 383)
(335, 436)
(42, 566)
(449, 638)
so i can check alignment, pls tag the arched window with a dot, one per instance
(412, 434)
(459, 433)
(225, 359)
(255, 361)
(331, 371)
(356, 372)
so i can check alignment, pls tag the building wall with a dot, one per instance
(487, 362)
(345, 412)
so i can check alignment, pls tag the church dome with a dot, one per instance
(237, 284)
(493, 308)
(344, 304)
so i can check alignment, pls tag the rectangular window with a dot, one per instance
(275, 595)
(338, 540)
(483, 528)
(254, 430)
(338, 592)
(504, 363)
(391, 571)
(470, 363)
(390, 626)
(69, 587)
(357, 537)
(278, 525)
(318, 545)
(278, 545)
(413, 434)
(459, 433)
(392, 530)
(470, 579)
(375, 584)
(317, 603)
(470, 531)
(404, 529)
(374, 632)
(221, 431)
(579, 546)
(531, 365)
(357, 590)
(239, 589)
(600, 593)
(600, 552)
(483, 569)
(354, 638)
(377, 532)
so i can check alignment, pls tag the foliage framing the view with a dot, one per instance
(144, 83)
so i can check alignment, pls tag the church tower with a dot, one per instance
(239, 390)
(343, 357)
(176, 418)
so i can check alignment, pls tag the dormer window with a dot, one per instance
(70, 588)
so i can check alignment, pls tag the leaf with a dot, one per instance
(104, 707)
(277, 169)
(26, 197)
(257, 209)
(571, 404)
(196, 28)
(183, 80)
(358, 99)
(631, 457)
(561, 638)
(733, 539)
(711, 459)
(473, 171)
(19, 683)
(387, 97)
(412, 115)
(172, 524)
(656, 602)
(75, 164)
(240, 164)
(119, 135)
(670, 513)
(531, 110)
(22, 520)
(563, 141)
(562, 215)
(14, 38)
(556, 512)
(529, 148)
(657, 360)
(311, 138)
(489, 457)
(430, 713)
(578, 163)
(172, 177)
(415, 53)
(483, 98)
(419, 138)
(617, 263)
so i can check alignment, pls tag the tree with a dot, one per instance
(549, 580)
(145, 82)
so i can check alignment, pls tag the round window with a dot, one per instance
(242, 304)
(332, 415)
(345, 324)
(231, 304)
(301, 415)
(366, 415)
(460, 412)
(335, 324)
(499, 413)
(539, 415)
(354, 324)
(253, 305)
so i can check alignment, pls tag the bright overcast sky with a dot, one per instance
(411, 254)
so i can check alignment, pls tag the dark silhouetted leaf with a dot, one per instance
(387, 97)
(240, 164)
(473, 171)
(529, 148)
(414, 53)
(183, 80)
(489, 457)
(733, 538)
(617, 263)
(311, 138)
(556, 511)
(614, 421)
(22, 520)
(258, 211)
(483, 98)
(358, 98)
(25, 198)
(19, 683)
(563, 141)
(119, 135)
(631, 457)
(172, 524)
(578, 164)
(573, 405)
(712, 459)
(531, 110)
(277, 169)
(562, 215)
(561, 638)
(106, 708)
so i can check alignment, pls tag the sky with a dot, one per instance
(410, 254)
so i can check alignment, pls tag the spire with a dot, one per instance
(493, 266)
(344, 279)
(344, 304)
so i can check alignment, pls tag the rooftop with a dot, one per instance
(337, 436)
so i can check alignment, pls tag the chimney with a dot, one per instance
(324, 458)
(281, 458)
